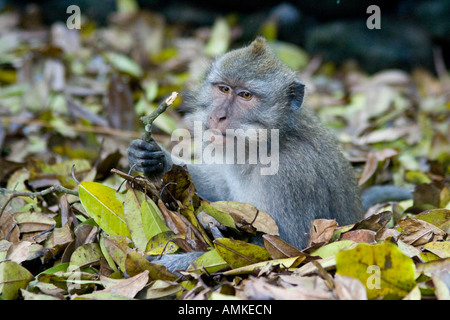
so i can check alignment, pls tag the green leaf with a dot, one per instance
(117, 248)
(152, 219)
(382, 268)
(134, 219)
(220, 38)
(85, 255)
(240, 253)
(295, 57)
(162, 243)
(144, 220)
(135, 263)
(221, 216)
(333, 248)
(106, 254)
(211, 261)
(438, 217)
(13, 277)
(123, 64)
(105, 206)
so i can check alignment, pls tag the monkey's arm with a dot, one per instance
(152, 159)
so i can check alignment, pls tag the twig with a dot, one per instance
(148, 120)
(32, 195)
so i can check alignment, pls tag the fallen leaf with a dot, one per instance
(437, 217)
(239, 253)
(85, 255)
(375, 222)
(13, 277)
(104, 204)
(33, 221)
(127, 287)
(159, 289)
(382, 268)
(256, 268)
(244, 214)
(135, 264)
(211, 261)
(331, 249)
(348, 288)
(279, 249)
(259, 289)
(322, 230)
(439, 248)
(360, 235)
(418, 232)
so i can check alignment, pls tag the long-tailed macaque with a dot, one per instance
(251, 89)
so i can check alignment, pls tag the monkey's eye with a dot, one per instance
(246, 95)
(224, 89)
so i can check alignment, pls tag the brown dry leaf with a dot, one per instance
(388, 134)
(418, 232)
(259, 289)
(8, 228)
(360, 235)
(61, 238)
(173, 220)
(189, 238)
(375, 222)
(33, 221)
(120, 106)
(126, 287)
(18, 252)
(279, 249)
(427, 194)
(373, 158)
(348, 288)
(322, 230)
(244, 214)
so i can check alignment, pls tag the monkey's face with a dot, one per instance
(248, 88)
(230, 105)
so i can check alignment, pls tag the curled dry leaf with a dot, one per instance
(322, 230)
(348, 288)
(418, 232)
(246, 214)
(360, 235)
(279, 249)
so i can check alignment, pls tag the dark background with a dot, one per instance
(412, 32)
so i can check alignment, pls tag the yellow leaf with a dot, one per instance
(382, 268)
(239, 253)
(105, 206)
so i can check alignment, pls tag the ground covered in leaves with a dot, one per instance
(69, 106)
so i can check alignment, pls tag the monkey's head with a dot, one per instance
(249, 88)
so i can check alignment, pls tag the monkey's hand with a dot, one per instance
(148, 157)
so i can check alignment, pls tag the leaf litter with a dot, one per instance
(69, 101)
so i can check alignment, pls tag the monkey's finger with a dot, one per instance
(138, 155)
(149, 168)
(143, 145)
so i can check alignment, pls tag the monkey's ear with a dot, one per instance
(296, 94)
